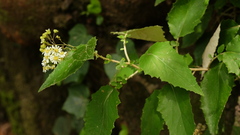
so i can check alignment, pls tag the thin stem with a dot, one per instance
(199, 69)
(115, 61)
(132, 75)
(177, 46)
(124, 47)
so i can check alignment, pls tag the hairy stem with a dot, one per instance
(115, 61)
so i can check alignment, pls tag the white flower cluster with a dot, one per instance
(52, 55)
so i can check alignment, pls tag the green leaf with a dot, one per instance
(157, 2)
(101, 112)
(152, 122)
(79, 75)
(234, 46)
(94, 7)
(185, 15)
(77, 100)
(162, 61)
(228, 31)
(121, 76)
(151, 33)
(188, 58)
(174, 105)
(78, 35)
(124, 130)
(190, 39)
(232, 56)
(232, 61)
(216, 85)
(71, 63)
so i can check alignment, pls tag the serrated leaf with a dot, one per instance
(174, 105)
(234, 46)
(163, 62)
(151, 33)
(190, 39)
(77, 100)
(185, 15)
(152, 122)
(101, 112)
(232, 56)
(210, 49)
(71, 63)
(216, 85)
(157, 2)
(78, 35)
(232, 61)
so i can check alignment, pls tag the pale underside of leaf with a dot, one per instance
(210, 49)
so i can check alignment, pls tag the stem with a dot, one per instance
(115, 61)
(124, 47)
(132, 75)
(199, 69)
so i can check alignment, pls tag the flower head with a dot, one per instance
(52, 52)
(52, 55)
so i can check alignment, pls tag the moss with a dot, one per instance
(8, 101)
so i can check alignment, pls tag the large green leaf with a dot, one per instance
(152, 121)
(163, 62)
(101, 112)
(174, 105)
(77, 100)
(185, 15)
(71, 63)
(190, 39)
(151, 33)
(216, 86)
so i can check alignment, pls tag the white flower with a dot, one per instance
(52, 56)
